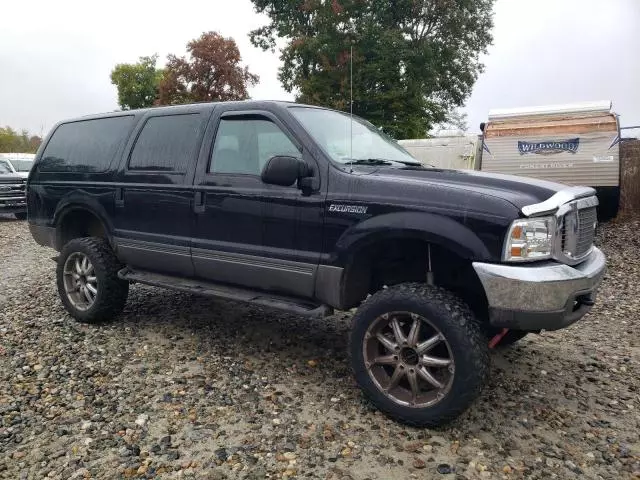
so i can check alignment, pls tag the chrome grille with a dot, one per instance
(578, 231)
(587, 221)
(12, 190)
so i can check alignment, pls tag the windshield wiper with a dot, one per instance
(382, 161)
(369, 161)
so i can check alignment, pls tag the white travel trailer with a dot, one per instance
(574, 144)
(448, 149)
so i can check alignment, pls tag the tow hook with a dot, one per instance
(496, 339)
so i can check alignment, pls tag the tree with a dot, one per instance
(413, 60)
(213, 72)
(14, 142)
(137, 83)
(455, 120)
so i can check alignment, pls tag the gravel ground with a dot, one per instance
(182, 386)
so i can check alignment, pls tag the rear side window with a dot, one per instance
(85, 146)
(167, 144)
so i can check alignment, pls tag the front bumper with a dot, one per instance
(540, 296)
(13, 204)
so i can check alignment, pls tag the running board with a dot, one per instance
(201, 287)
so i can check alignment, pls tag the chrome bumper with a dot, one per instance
(546, 295)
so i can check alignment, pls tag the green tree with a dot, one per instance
(213, 72)
(455, 120)
(413, 60)
(137, 83)
(14, 142)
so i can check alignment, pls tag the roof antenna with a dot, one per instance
(351, 108)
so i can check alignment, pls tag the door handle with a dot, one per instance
(119, 197)
(198, 202)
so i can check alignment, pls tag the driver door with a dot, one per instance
(248, 233)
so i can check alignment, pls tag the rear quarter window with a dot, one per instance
(85, 146)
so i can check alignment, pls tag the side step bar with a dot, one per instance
(201, 287)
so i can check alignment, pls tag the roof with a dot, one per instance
(17, 156)
(188, 106)
(598, 107)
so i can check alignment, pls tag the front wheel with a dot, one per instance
(88, 283)
(418, 354)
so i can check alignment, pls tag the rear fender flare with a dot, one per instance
(76, 202)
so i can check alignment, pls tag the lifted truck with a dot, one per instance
(271, 203)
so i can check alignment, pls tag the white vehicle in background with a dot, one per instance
(14, 170)
(19, 163)
(575, 144)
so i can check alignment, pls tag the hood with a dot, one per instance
(519, 191)
(13, 177)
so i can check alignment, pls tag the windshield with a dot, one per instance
(22, 165)
(4, 167)
(332, 130)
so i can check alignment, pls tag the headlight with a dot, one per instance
(529, 239)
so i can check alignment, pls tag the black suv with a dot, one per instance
(303, 209)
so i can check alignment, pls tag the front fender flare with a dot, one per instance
(433, 228)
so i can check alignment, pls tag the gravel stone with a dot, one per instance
(183, 381)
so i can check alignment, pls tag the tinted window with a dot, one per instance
(4, 167)
(167, 144)
(85, 146)
(243, 145)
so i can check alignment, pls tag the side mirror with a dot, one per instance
(284, 171)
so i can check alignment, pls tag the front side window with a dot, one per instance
(338, 136)
(4, 167)
(243, 145)
(167, 143)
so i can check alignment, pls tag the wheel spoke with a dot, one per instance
(426, 375)
(87, 294)
(92, 279)
(89, 269)
(435, 361)
(398, 373)
(78, 266)
(428, 344)
(388, 344)
(413, 383)
(385, 360)
(93, 290)
(85, 264)
(397, 331)
(414, 333)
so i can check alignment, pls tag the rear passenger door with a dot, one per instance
(154, 215)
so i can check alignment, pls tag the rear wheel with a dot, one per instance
(418, 354)
(88, 283)
(20, 215)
